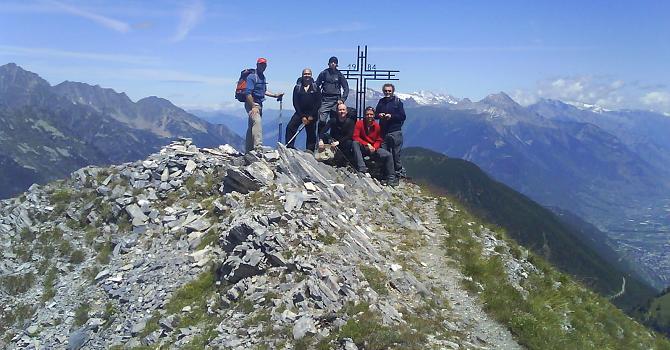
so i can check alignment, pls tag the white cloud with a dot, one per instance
(188, 19)
(89, 56)
(110, 23)
(345, 28)
(598, 90)
(656, 98)
(602, 91)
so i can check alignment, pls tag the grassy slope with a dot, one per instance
(530, 224)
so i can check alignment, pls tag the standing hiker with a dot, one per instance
(306, 101)
(255, 92)
(334, 90)
(391, 114)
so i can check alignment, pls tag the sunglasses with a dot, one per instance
(388, 90)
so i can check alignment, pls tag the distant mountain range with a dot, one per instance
(49, 131)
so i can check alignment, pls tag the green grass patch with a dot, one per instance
(367, 332)
(81, 314)
(209, 238)
(566, 317)
(376, 279)
(48, 284)
(77, 257)
(17, 284)
(104, 252)
(194, 292)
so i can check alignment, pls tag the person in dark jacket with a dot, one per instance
(368, 141)
(339, 131)
(334, 90)
(391, 114)
(306, 102)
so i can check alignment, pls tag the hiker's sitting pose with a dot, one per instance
(339, 131)
(367, 140)
(306, 101)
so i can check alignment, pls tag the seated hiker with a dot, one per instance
(367, 140)
(339, 131)
(306, 101)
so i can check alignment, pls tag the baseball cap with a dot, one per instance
(262, 60)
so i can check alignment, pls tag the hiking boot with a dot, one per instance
(393, 182)
(401, 173)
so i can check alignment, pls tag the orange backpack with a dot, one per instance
(242, 84)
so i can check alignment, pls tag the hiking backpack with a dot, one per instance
(242, 84)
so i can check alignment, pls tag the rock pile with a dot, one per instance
(211, 247)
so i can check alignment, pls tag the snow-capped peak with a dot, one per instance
(428, 98)
(588, 107)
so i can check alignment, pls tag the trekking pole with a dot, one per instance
(280, 122)
(302, 126)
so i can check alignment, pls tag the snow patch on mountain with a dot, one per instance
(428, 98)
(588, 107)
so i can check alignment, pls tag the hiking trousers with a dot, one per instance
(393, 143)
(383, 155)
(254, 128)
(292, 128)
(328, 105)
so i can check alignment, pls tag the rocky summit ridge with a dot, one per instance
(200, 247)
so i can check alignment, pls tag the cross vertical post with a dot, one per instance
(362, 71)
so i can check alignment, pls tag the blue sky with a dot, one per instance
(611, 53)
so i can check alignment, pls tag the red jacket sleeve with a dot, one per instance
(376, 136)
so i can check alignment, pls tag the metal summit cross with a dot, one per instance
(362, 71)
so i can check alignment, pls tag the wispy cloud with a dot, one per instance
(107, 22)
(189, 16)
(88, 56)
(345, 28)
(604, 91)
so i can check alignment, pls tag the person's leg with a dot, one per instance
(386, 159)
(327, 106)
(393, 143)
(257, 128)
(358, 157)
(249, 142)
(291, 129)
(311, 136)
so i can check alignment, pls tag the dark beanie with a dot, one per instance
(332, 59)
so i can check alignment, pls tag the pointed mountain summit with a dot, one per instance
(52, 131)
(19, 87)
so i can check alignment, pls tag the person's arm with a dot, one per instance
(296, 105)
(348, 131)
(378, 114)
(345, 87)
(277, 95)
(399, 111)
(251, 82)
(357, 133)
(319, 80)
(377, 136)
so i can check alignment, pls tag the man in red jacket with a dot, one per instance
(368, 141)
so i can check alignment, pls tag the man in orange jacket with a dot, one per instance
(367, 141)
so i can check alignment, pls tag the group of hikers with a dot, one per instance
(320, 109)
